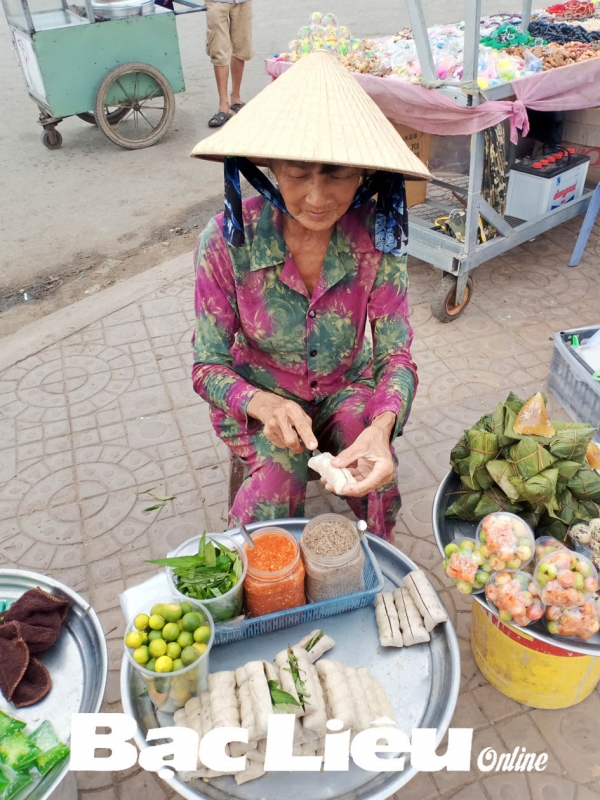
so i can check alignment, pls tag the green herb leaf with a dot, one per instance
(152, 508)
(316, 638)
(279, 697)
(294, 670)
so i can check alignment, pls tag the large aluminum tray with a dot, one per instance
(446, 529)
(77, 662)
(422, 683)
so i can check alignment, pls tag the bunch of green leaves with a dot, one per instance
(294, 670)
(315, 640)
(213, 572)
(280, 700)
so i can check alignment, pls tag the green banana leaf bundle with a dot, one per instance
(545, 480)
(464, 506)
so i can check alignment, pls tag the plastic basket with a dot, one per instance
(242, 628)
(571, 379)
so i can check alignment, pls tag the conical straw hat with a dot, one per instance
(316, 111)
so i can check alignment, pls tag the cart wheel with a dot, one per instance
(443, 302)
(51, 138)
(147, 99)
(113, 118)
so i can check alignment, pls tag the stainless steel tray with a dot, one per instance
(422, 683)
(78, 665)
(446, 529)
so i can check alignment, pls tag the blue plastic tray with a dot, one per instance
(240, 628)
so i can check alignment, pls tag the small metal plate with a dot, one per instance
(422, 683)
(77, 662)
(446, 529)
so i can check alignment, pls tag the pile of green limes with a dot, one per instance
(168, 639)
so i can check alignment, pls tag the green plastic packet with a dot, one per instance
(12, 782)
(9, 725)
(17, 751)
(53, 751)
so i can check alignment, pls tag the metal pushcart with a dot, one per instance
(113, 63)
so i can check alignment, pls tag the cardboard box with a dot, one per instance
(582, 131)
(420, 144)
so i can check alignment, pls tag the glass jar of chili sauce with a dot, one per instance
(275, 577)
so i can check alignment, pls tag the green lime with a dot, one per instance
(192, 621)
(202, 634)
(144, 636)
(134, 639)
(199, 647)
(141, 621)
(170, 632)
(151, 665)
(141, 655)
(164, 664)
(173, 650)
(157, 648)
(185, 639)
(172, 612)
(180, 624)
(156, 622)
(158, 609)
(177, 665)
(154, 635)
(189, 655)
(186, 608)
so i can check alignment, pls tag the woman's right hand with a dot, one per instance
(284, 422)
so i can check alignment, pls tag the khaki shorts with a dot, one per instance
(228, 32)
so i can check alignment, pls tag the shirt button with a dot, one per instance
(313, 384)
(312, 313)
(313, 353)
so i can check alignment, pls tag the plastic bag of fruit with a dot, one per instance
(566, 578)
(466, 566)
(516, 597)
(581, 622)
(505, 540)
(546, 545)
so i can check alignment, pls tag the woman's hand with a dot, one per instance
(284, 422)
(369, 458)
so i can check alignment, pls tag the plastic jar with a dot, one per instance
(275, 577)
(329, 576)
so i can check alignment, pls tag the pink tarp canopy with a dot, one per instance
(562, 89)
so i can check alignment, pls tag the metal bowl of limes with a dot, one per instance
(168, 643)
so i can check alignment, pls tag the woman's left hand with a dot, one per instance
(369, 458)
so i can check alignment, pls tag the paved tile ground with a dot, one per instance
(101, 414)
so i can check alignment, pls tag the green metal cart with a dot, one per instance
(114, 63)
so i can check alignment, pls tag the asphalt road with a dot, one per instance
(92, 198)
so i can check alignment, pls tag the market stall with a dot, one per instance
(462, 80)
(517, 474)
(54, 664)
(417, 684)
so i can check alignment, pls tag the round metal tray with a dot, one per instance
(77, 662)
(446, 529)
(422, 683)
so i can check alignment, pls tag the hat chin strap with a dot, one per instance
(391, 216)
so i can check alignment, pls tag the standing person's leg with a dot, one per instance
(218, 47)
(337, 425)
(241, 48)
(275, 482)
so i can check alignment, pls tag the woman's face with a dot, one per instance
(316, 195)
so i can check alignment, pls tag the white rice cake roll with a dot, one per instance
(301, 735)
(377, 695)
(271, 673)
(315, 718)
(224, 708)
(409, 616)
(335, 477)
(180, 718)
(337, 692)
(254, 770)
(361, 704)
(324, 644)
(245, 703)
(387, 620)
(286, 681)
(260, 696)
(426, 599)
(259, 754)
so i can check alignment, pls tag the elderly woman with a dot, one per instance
(286, 284)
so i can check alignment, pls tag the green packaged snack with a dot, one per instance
(53, 751)
(17, 751)
(9, 725)
(12, 782)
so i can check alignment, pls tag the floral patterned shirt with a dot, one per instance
(258, 328)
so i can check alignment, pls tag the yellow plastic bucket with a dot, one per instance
(530, 671)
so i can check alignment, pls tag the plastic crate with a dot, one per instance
(240, 628)
(571, 379)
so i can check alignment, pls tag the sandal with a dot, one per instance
(237, 107)
(219, 119)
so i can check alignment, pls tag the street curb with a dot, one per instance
(51, 329)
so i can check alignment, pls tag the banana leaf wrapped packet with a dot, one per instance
(464, 506)
(571, 441)
(495, 500)
(540, 489)
(585, 485)
(530, 457)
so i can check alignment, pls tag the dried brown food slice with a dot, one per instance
(34, 685)
(14, 659)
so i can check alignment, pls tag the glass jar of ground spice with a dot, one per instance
(333, 557)
(275, 577)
